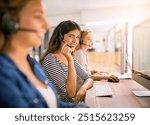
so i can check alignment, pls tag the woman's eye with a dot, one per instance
(37, 16)
(73, 37)
(78, 37)
(70, 35)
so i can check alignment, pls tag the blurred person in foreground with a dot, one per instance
(22, 80)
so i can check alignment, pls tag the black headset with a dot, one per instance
(8, 25)
(81, 40)
(60, 37)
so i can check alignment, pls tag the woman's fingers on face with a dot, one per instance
(66, 48)
(65, 44)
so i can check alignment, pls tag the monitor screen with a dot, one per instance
(141, 53)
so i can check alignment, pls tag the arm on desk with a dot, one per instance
(110, 78)
(83, 89)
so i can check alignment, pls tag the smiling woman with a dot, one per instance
(60, 66)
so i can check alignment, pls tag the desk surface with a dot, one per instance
(122, 96)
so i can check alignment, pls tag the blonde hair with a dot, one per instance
(84, 33)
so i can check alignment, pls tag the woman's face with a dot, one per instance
(87, 40)
(72, 38)
(32, 17)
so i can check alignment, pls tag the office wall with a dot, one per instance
(55, 19)
(104, 14)
(116, 12)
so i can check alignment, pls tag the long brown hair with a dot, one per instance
(57, 36)
(11, 8)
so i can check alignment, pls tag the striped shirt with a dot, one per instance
(57, 73)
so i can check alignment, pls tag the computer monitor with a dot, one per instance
(141, 53)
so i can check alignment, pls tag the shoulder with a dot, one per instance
(50, 61)
(79, 51)
(49, 58)
(8, 77)
(5, 61)
(7, 67)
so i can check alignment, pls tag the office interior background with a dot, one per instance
(113, 23)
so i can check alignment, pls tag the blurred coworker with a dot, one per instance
(81, 56)
(63, 71)
(22, 80)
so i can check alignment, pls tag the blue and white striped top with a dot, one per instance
(57, 72)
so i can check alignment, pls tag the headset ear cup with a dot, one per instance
(9, 25)
(81, 42)
(60, 37)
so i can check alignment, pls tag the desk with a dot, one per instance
(122, 96)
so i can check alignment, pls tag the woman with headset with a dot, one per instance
(81, 56)
(70, 80)
(22, 80)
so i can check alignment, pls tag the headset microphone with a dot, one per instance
(42, 36)
(45, 37)
(9, 26)
(27, 30)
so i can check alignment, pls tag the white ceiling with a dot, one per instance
(58, 7)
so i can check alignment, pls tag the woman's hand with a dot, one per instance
(67, 50)
(80, 96)
(113, 78)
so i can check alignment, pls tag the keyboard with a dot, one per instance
(141, 93)
(103, 90)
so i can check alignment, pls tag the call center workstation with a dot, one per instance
(134, 92)
(119, 48)
(122, 28)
